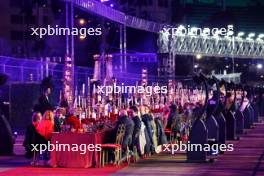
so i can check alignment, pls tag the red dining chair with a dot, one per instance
(116, 147)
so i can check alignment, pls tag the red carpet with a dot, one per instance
(30, 171)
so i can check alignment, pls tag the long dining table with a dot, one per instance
(68, 158)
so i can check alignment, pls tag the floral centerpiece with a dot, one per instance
(73, 121)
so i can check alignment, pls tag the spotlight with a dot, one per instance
(112, 5)
(196, 66)
(260, 36)
(259, 66)
(227, 66)
(198, 56)
(261, 76)
(251, 35)
(82, 21)
(82, 37)
(240, 34)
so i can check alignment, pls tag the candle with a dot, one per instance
(88, 85)
(75, 102)
(83, 89)
(94, 115)
(94, 89)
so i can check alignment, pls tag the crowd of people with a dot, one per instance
(145, 128)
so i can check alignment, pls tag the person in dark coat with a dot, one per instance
(32, 136)
(58, 120)
(137, 121)
(162, 139)
(129, 125)
(44, 102)
(149, 131)
(172, 115)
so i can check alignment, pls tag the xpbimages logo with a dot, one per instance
(81, 148)
(50, 31)
(148, 90)
(183, 147)
(195, 31)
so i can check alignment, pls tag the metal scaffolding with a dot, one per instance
(234, 47)
(211, 46)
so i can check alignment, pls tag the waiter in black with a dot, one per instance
(44, 101)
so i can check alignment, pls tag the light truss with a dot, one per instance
(180, 44)
(211, 46)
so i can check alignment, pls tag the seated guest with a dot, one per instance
(46, 125)
(149, 132)
(162, 139)
(172, 115)
(58, 120)
(155, 132)
(165, 116)
(174, 121)
(31, 136)
(129, 124)
(36, 118)
(137, 121)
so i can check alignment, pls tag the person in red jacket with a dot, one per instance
(46, 125)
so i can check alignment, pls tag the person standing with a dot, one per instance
(137, 125)
(58, 120)
(44, 101)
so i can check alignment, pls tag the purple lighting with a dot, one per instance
(112, 5)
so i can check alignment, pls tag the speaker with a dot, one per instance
(6, 144)
(23, 97)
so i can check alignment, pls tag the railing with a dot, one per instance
(29, 70)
